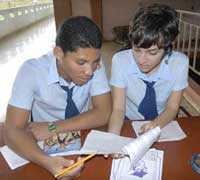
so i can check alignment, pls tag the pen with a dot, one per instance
(74, 165)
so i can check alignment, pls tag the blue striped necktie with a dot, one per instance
(148, 107)
(71, 109)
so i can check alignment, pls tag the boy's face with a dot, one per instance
(77, 66)
(148, 60)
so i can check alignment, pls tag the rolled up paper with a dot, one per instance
(137, 149)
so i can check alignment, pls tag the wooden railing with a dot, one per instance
(188, 42)
(17, 18)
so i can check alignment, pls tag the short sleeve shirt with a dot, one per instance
(37, 88)
(172, 75)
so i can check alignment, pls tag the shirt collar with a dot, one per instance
(62, 82)
(163, 72)
(53, 76)
(132, 68)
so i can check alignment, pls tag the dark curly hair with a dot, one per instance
(78, 32)
(154, 25)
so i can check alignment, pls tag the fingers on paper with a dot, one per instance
(147, 127)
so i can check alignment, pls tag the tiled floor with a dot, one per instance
(33, 42)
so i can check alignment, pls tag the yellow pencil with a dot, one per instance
(74, 165)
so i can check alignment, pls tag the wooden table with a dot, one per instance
(176, 166)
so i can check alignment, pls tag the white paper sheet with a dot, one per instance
(171, 132)
(148, 168)
(104, 143)
(12, 158)
(108, 143)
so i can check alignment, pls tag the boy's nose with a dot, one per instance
(89, 71)
(142, 58)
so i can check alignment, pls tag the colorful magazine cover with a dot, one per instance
(62, 142)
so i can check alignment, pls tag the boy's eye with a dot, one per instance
(81, 62)
(153, 53)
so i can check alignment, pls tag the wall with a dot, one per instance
(81, 8)
(62, 10)
(118, 12)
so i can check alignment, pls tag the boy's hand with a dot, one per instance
(39, 130)
(147, 126)
(58, 163)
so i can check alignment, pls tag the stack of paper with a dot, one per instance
(171, 132)
(108, 143)
(148, 168)
(141, 163)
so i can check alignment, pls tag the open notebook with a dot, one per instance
(171, 132)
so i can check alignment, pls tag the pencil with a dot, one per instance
(74, 165)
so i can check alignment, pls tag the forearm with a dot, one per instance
(95, 117)
(90, 119)
(116, 122)
(25, 145)
(166, 116)
(171, 109)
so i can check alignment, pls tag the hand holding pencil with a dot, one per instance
(65, 170)
(56, 164)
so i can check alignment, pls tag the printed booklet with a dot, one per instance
(62, 143)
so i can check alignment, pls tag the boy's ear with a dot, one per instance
(58, 52)
(98, 66)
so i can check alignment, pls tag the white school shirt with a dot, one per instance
(172, 75)
(37, 88)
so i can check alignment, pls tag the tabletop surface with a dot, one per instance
(176, 165)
